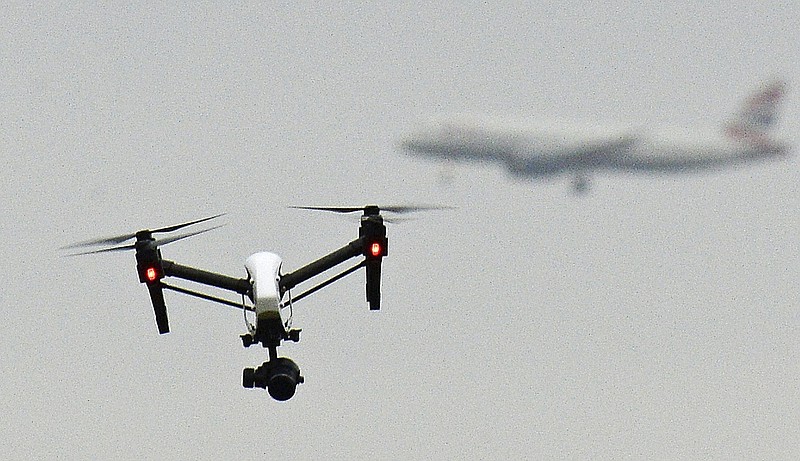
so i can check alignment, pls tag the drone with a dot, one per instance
(265, 287)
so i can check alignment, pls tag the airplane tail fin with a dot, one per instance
(759, 112)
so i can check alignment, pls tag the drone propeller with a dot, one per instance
(117, 239)
(391, 209)
(132, 246)
(148, 260)
(372, 243)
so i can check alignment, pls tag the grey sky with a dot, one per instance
(655, 318)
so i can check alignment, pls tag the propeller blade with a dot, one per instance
(132, 246)
(183, 236)
(181, 226)
(391, 209)
(104, 250)
(335, 209)
(115, 240)
(118, 239)
(398, 219)
(412, 208)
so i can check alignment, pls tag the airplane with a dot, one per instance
(265, 291)
(533, 149)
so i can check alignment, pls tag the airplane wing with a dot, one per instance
(551, 154)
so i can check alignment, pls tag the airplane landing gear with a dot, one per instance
(581, 184)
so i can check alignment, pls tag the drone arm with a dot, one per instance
(328, 282)
(351, 250)
(173, 269)
(197, 294)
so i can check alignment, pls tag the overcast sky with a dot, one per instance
(656, 317)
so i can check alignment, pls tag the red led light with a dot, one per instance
(151, 273)
(375, 249)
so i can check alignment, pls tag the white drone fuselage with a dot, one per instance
(263, 270)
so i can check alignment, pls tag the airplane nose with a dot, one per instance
(425, 141)
(411, 144)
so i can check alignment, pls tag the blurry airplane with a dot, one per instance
(545, 148)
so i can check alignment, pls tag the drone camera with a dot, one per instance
(279, 377)
(283, 378)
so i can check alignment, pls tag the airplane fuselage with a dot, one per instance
(540, 149)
